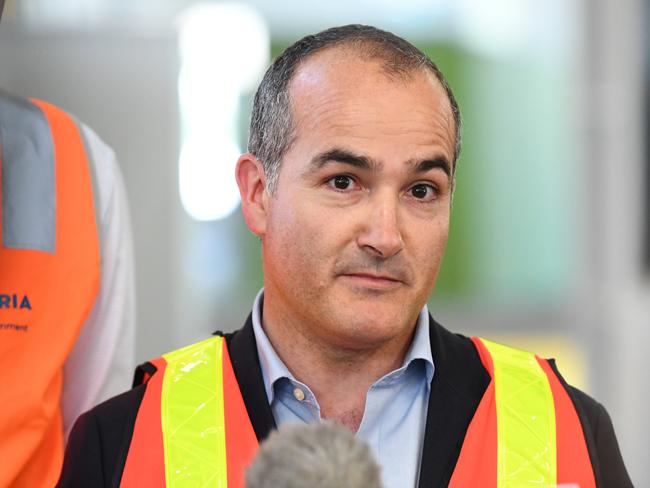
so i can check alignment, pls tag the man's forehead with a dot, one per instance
(344, 69)
(336, 87)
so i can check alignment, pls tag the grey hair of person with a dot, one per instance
(317, 455)
(271, 125)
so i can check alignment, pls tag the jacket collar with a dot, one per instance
(456, 390)
(246, 365)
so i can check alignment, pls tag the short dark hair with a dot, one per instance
(271, 124)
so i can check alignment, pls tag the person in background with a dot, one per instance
(66, 284)
(321, 455)
(348, 182)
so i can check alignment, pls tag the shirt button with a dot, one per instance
(298, 394)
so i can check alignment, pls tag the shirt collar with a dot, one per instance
(272, 366)
(421, 345)
(274, 369)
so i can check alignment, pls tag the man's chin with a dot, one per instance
(369, 325)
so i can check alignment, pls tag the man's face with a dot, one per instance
(357, 227)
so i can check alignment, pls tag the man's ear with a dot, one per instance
(254, 196)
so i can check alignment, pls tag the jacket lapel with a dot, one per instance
(246, 365)
(458, 384)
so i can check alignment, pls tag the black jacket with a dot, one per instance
(99, 442)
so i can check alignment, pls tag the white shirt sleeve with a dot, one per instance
(102, 361)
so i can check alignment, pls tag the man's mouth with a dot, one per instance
(371, 280)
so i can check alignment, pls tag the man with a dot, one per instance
(66, 284)
(348, 183)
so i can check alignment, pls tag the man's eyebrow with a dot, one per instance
(344, 156)
(338, 155)
(422, 166)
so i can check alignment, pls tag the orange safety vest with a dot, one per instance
(49, 278)
(192, 428)
(525, 431)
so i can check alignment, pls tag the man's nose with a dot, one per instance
(381, 234)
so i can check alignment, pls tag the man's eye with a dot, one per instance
(341, 182)
(422, 191)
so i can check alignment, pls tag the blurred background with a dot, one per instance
(550, 238)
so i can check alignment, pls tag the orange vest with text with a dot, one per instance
(49, 278)
(192, 428)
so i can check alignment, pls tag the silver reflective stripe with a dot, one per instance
(28, 181)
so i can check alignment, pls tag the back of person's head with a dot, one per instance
(319, 455)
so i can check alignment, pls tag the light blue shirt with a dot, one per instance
(396, 405)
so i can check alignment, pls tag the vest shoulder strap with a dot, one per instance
(525, 429)
(192, 423)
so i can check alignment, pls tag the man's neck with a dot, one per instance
(339, 377)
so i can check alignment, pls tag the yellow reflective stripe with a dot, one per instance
(192, 416)
(526, 446)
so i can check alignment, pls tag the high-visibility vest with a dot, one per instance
(192, 428)
(526, 431)
(49, 278)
